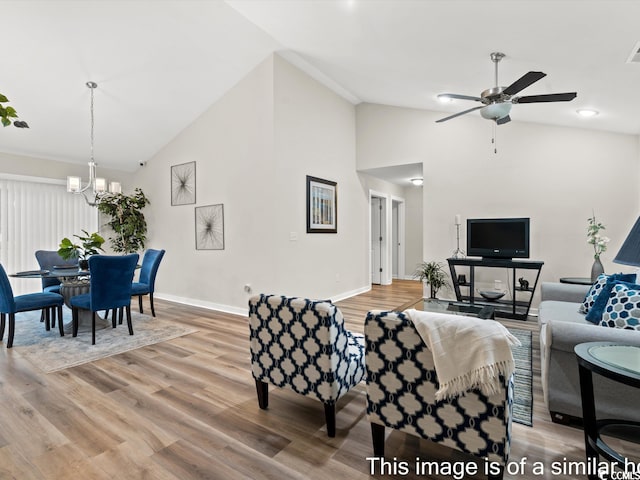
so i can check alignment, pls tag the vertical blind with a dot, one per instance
(36, 215)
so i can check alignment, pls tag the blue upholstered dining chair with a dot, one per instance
(10, 305)
(47, 259)
(110, 289)
(147, 280)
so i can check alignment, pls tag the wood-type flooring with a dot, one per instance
(187, 409)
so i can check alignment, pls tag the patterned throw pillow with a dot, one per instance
(623, 309)
(599, 284)
(594, 315)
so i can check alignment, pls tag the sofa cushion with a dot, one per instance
(595, 312)
(599, 284)
(623, 308)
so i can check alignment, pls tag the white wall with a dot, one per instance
(253, 149)
(556, 176)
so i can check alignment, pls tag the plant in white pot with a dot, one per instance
(434, 275)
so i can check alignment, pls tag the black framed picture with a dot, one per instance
(210, 227)
(183, 184)
(322, 205)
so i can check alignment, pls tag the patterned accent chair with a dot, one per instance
(401, 385)
(303, 345)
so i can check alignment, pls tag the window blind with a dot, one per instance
(35, 215)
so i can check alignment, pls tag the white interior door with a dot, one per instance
(376, 240)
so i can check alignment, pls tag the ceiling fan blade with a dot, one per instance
(552, 97)
(459, 113)
(459, 97)
(523, 82)
(503, 120)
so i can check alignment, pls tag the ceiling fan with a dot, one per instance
(497, 101)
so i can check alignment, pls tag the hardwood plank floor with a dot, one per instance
(187, 409)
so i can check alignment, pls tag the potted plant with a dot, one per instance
(434, 275)
(127, 220)
(7, 114)
(89, 245)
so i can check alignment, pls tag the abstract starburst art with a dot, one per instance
(183, 184)
(210, 227)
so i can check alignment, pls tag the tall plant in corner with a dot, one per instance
(127, 220)
(7, 113)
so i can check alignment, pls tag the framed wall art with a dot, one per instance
(210, 227)
(322, 205)
(183, 184)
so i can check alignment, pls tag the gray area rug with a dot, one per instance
(50, 352)
(523, 386)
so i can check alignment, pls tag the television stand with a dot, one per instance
(514, 308)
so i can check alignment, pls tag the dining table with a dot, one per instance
(73, 281)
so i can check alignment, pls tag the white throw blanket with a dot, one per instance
(468, 352)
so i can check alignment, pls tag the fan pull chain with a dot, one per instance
(494, 140)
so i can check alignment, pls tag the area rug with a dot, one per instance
(50, 352)
(523, 385)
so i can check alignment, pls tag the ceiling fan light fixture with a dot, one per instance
(444, 98)
(587, 112)
(495, 111)
(417, 181)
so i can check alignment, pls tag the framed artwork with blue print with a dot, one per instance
(183, 184)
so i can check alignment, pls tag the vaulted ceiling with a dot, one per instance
(160, 64)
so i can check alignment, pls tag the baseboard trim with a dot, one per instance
(239, 310)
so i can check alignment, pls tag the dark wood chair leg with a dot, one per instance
(330, 417)
(60, 323)
(93, 328)
(74, 316)
(12, 327)
(263, 394)
(129, 324)
(2, 322)
(120, 315)
(113, 317)
(47, 316)
(377, 435)
(140, 303)
(153, 310)
(53, 317)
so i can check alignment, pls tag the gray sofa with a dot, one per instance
(562, 327)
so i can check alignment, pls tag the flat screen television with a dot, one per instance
(498, 237)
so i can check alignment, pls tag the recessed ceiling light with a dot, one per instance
(587, 112)
(417, 181)
(444, 98)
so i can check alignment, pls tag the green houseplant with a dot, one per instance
(127, 220)
(89, 245)
(434, 275)
(7, 114)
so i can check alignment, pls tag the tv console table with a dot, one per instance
(514, 308)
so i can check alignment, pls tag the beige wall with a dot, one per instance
(556, 176)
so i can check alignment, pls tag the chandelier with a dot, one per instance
(96, 185)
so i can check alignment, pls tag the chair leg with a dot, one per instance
(330, 417)
(60, 323)
(53, 317)
(129, 324)
(93, 328)
(2, 321)
(263, 394)
(120, 315)
(47, 316)
(12, 327)
(113, 317)
(377, 434)
(153, 310)
(140, 303)
(74, 316)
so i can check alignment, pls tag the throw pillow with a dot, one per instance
(598, 285)
(623, 309)
(594, 315)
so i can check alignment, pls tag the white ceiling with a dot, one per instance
(160, 64)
